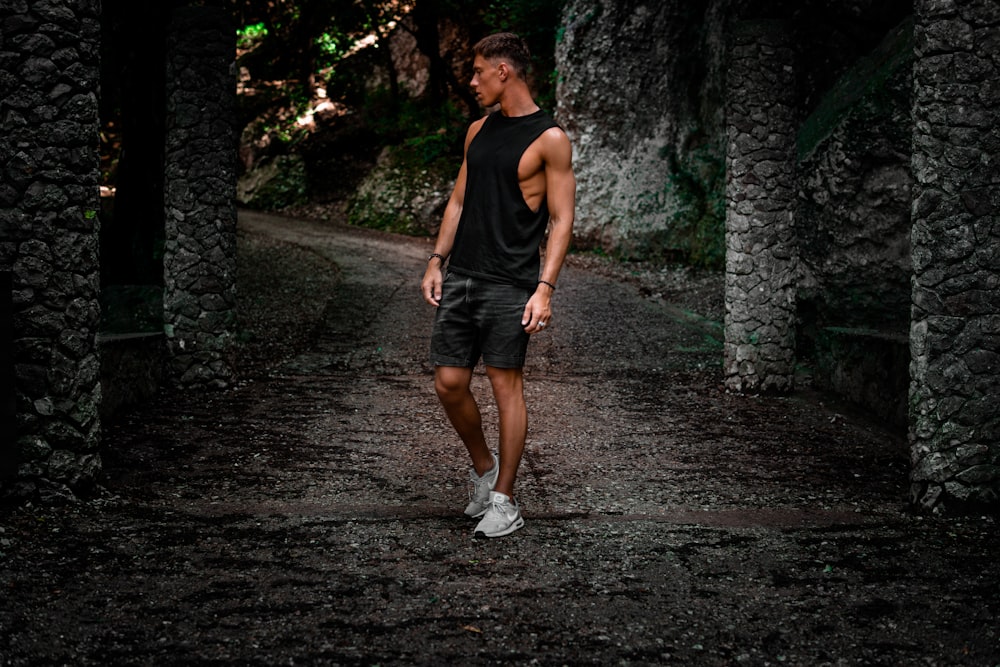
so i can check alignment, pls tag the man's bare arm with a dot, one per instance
(430, 286)
(560, 187)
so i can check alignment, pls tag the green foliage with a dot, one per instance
(427, 131)
(249, 36)
(331, 45)
(365, 212)
(292, 42)
(428, 148)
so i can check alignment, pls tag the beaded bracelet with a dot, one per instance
(546, 282)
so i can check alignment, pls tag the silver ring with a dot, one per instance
(541, 324)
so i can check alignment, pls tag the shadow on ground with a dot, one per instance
(312, 513)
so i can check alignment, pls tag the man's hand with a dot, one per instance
(430, 286)
(538, 311)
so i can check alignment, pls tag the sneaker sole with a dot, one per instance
(506, 531)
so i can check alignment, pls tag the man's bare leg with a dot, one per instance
(508, 389)
(453, 386)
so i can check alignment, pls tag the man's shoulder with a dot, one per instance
(554, 137)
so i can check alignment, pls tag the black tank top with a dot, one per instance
(498, 234)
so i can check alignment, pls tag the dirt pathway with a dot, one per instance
(312, 514)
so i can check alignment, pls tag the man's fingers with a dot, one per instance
(431, 291)
(534, 322)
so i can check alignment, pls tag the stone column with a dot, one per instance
(200, 187)
(761, 257)
(8, 394)
(49, 239)
(955, 329)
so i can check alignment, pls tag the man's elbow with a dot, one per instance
(561, 222)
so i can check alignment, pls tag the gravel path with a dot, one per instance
(311, 515)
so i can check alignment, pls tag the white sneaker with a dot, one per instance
(479, 489)
(502, 517)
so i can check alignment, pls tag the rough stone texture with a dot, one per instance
(49, 53)
(955, 332)
(274, 183)
(131, 370)
(640, 95)
(200, 185)
(8, 395)
(853, 219)
(401, 197)
(313, 514)
(853, 229)
(761, 255)
(869, 368)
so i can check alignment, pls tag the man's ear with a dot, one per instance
(503, 71)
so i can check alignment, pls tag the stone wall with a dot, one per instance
(853, 226)
(761, 252)
(200, 186)
(955, 331)
(48, 238)
(855, 193)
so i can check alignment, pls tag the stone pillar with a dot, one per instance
(49, 239)
(200, 187)
(761, 256)
(955, 329)
(8, 395)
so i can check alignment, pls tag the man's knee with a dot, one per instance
(508, 383)
(451, 382)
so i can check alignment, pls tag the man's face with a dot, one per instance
(486, 81)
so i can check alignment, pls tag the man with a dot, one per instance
(516, 180)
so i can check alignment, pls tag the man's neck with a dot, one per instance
(517, 103)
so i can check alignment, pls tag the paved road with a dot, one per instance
(312, 515)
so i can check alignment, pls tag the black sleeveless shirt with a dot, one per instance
(498, 234)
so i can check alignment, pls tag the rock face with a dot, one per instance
(853, 227)
(643, 94)
(640, 93)
(401, 195)
(274, 183)
(855, 192)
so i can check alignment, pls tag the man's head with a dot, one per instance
(505, 47)
(500, 67)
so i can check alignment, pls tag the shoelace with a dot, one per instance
(474, 485)
(496, 506)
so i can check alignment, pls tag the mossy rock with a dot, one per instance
(403, 194)
(274, 184)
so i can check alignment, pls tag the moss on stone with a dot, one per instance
(865, 79)
(407, 190)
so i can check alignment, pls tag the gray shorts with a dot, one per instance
(479, 318)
